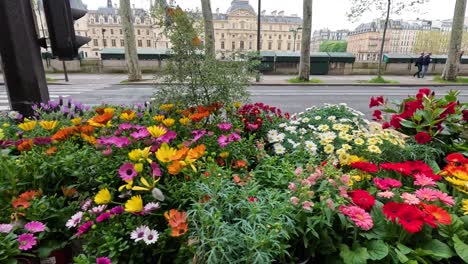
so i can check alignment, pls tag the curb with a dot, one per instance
(2, 83)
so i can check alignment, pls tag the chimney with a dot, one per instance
(109, 3)
(281, 13)
(263, 12)
(274, 13)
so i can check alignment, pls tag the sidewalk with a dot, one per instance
(266, 80)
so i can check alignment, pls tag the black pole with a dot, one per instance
(65, 70)
(259, 27)
(21, 57)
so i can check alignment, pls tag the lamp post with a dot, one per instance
(294, 31)
(259, 27)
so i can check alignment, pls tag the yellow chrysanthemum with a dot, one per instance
(359, 141)
(103, 197)
(237, 104)
(168, 122)
(159, 118)
(128, 116)
(165, 153)
(166, 107)
(28, 126)
(329, 149)
(374, 149)
(49, 125)
(184, 121)
(465, 206)
(138, 167)
(157, 131)
(77, 121)
(134, 204)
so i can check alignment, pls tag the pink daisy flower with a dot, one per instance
(6, 228)
(26, 241)
(423, 180)
(35, 227)
(74, 220)
(427, 194)
(225, 127)
(386, 194)
(103, 217)
(445, 198)
(97, 209)
(84, 228)
(127, 171)
(359, 216)
(410, 199)
(103, 260)
(150, 207)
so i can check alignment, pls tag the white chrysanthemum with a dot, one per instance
(139, 233)
(302, 131)
(279, 138)
(74, 220)
(318, 118)
(291, 128)
(282, 125)
(323, 128)
(305, 120)
(279, 149)
(151, 236)
(293, 143)
(329, 149)
(311, 146)
(295, 122)
(272, 136)
(374, 149)
(341, 151)
(311, 127)
(332, 118)
(13, 114)
(359, 141)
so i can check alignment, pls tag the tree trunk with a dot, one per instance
(131, 54)
(209, 29)
(382, 45)
(451, 68)
(304, 66)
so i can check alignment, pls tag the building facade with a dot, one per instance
(320, 36)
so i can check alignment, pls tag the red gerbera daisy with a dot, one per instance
(411, 218)
(362, 199)
(365, 166)
(391, 210)
(402, 168)
(440, 215)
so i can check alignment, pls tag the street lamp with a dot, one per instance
(294, 31)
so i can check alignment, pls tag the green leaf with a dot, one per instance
(377, 249)
(437, 248)
(357, 256)
(401, 257)
(407, 123)
(461, 248)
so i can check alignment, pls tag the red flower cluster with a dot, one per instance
(365, 166)
(253, 115)
(376, 101)
(362, 199)
(413, 217)
(411, 168)
(387, 183)
(422, 138)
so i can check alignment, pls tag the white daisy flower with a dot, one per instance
(305, 120)
(74, 220)
(332, 118)
(295, 122)
(150, 207)
(318, 118)
(279, 149)
(139, 233)
(282, 125)
(294, 144)
(98, 209)
(302, 131)
(13, 114)
(151, 236)
(311, 146)
(291, 128)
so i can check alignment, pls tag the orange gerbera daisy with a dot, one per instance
(64, 133)
(178, 222)
(103, 119)
(199, 116)
(439, 214)
(51, 151)
(197, 152)
(26, 145)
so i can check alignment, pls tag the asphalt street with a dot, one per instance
(289, 98)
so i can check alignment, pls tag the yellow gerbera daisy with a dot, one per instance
(166, 107)
(134, 204)
(184, 121)
(165, 153)
(157, 131)
(77, 121)
(28, 126)
(168, 122)
(103, 197)
(159, 118)
(49, 125)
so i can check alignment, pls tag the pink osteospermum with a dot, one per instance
(35, 227)
(117, 210)
(127, 171)
(74, 220)
(103, 260)
(97, 209)
(423, 180)
(445, 198)
(225, 127)
(84, 228)
(6, 228)
(410, 199)
(26, 241)
(103, 217)
(359, 216)
(386, 194)
(150, 207)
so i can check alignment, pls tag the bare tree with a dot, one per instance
(359, 7)
(304, 66)
(453, 62)
(131, 53)
(209, 29)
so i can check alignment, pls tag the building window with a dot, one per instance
(140, 43)
(250, 45)
(113, 43)
(279, 45)
(121, 32)
(112, 32)
(95, 42)
(279, 36)
(104, 42)
(222, 45)
(148, 43)
(289, 36)
(270, 44)
(298, 46)
(94, 31)
(122, 43)
(233, 45)
(241, 45)
(289, 46)
(222, 35)
(147, 32)
(138, 32)
(270, 37)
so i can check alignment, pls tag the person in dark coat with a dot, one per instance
(419, 64)
(426, 61)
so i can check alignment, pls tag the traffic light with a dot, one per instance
(60, 16)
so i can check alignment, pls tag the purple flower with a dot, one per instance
(107, 151)
(6, 144)
(140, 134)
(84, 228)
(42, 141)
(117, 210)
(150, 207)
(103, 217)
(234, 137)
(35, 227)
(103, 260)
(5, 228)
(156, 171)
(125, 126)
(26, 241)
(127, 171)
(119, 142)
(223, 141)
(198, 134)
(225, 127)
(168, 137)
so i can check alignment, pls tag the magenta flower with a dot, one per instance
(42, 141)
(140, 134)
(103, 260)
(423, 180)
(119, 142)
(35, 227)
(127, 171)
(234, 137)
(117, 210)
(225, 127)
(6, 228)
(125, 126)
(223, 141)
(168, 137)
(359, 216)
(26, 241)
(103, 217)
(198, 134)
(156, 171)
(84, 228)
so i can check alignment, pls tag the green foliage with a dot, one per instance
(333, 46)
(459, 80)
(380, 80)
(297, 80)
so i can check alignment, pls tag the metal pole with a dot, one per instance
(21, 57)
(294, 45)
(65, 70)
(259, 28)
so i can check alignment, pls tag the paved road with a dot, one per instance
(289, 98)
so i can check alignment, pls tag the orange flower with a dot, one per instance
(90, 139)
(88, 130)
(68, 192)
(29, 195)
(103, 119)
(51, 151)
(181, 154)
(439, 214)
(238, 164)
(178, 222)
(175, 168)
(100, 110)
(199, 116)
(196, 41)
(24, 199)
(20, 203)
(26, 145)
(196, 152)
(64, 133)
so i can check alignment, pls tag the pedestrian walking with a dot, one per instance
(419, 64)
(426, 61)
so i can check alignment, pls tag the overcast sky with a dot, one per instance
(326, 13)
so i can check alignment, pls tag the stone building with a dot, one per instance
(320, 36)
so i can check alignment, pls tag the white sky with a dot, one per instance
(326, 13)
